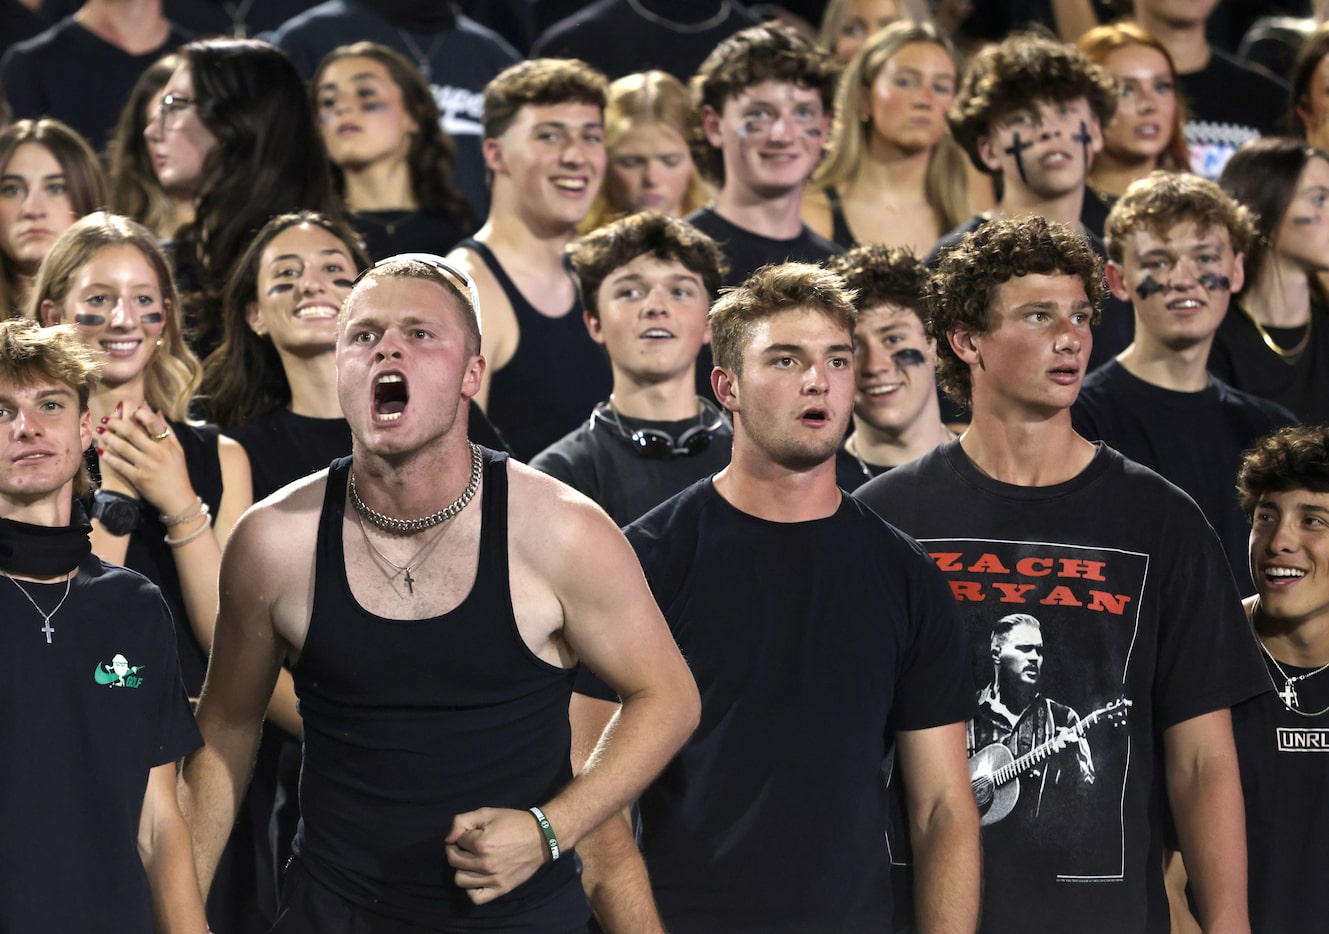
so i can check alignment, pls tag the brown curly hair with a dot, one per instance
(770, 52)
(1026, 68)
(967, 277)
(884, 275)
(1162, 200)
(1292, 458)
(598, 254)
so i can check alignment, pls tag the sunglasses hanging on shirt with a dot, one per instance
(657, 445)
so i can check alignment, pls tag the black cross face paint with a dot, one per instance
(1147, 287)
(343, 283)
(1016, 149)
(1084, 139)
(908, 356)
(1213, 282)
(1300, 221)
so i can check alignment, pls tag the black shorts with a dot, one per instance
(308, 907)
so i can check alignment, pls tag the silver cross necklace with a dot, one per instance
(46, 617)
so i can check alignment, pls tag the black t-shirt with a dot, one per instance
(1227, 103)
(852, 472)
(70, 73)
(600, 460)
(1241, 359)
(1194, 439)
(85, 718)
(389, 233)
(618, 40)
(748, 251)
(1284, 759)
(1136, 604)
(811, 643)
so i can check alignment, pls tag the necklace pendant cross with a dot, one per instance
(1288, 694)
(410, 586)
(48, 629)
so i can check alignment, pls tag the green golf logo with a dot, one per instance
(119, 674)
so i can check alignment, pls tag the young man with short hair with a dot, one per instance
(544, 151)
(435, 600)
(94, 710)
(765, 96)
(1177, 243)
(1281, 734)
(897, 416)
(1030, 111)
(818, 635)
(1125, 577)
(647, 282)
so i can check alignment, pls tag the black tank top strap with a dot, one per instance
(840, 231)
(500, 274)
(494, 523)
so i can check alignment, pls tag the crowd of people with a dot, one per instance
(926, 526)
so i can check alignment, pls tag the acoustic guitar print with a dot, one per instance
(993, 769)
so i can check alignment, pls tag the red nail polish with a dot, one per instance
(106, 420)
(100, 452)
(119, 406)
(101, 430)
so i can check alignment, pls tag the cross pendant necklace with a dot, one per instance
(1289, 694)
(46, 617)
(420, 555)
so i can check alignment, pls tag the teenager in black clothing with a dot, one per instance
(94, 715)
(819, 637)
(441, 826)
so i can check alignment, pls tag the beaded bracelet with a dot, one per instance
(196, 508)
(548, 831)
(204, 526)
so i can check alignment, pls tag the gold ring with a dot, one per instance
(165, 433)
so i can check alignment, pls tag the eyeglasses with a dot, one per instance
(172, 104)
(456, 276)
(656, 445)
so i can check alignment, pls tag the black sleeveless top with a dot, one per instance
(555, 378)
(840, 231)
(410, 722)
(148, 553)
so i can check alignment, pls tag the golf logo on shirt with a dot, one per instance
(119, 673)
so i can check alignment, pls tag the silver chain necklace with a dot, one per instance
(1289, 693)
(420, 555)
(709, 23)
(46, 617)
(422, 56)
(407, 526)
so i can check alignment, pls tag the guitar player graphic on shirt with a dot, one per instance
(1021, 739)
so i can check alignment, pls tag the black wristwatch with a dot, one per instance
(120, 514)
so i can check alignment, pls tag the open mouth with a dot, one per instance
(1054, 159)
(390, 397)
(1279, 575)
(318, 311)
(885, 389)
(572, 185)
(657, 334)
(815, 417)
(120, 348)
(1065, 374)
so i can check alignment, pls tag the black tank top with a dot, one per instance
(410, 722)
(840, 231)
(555, 378)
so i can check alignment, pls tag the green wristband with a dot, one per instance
(548, 831)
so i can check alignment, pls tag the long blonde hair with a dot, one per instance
(646, 97)
(947, 182)
(837, 10)
(173, 372)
